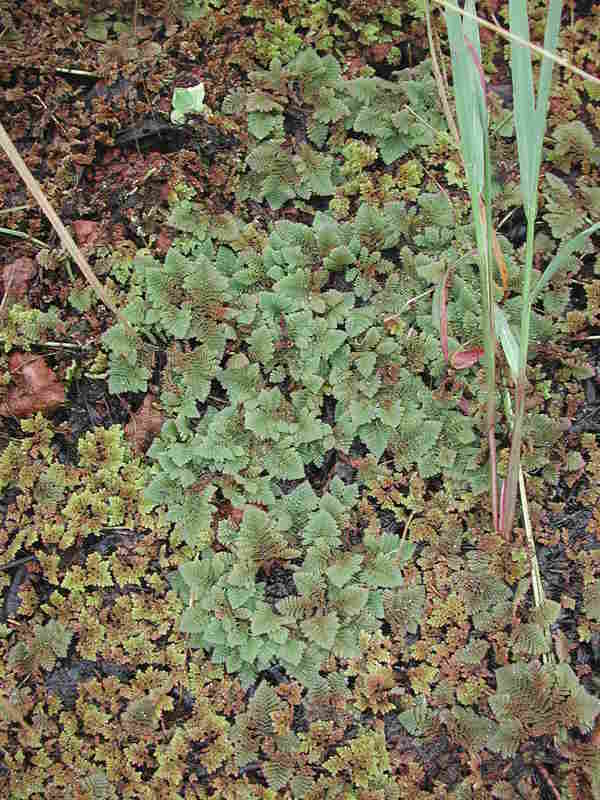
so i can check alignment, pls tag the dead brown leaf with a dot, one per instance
(16, 276)
(34, 388)
(87, 232)
(144, 425)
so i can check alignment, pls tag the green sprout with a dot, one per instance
(187, 101)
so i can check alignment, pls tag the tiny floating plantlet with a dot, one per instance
(187, 101)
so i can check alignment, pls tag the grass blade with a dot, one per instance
(559, 259)
(550, 44)
(508, 341)
(471, 107)
(530, 123)
(523, 98)
(466, 78)
(511, 37)
(530, 117)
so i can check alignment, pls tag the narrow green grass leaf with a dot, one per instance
(530, 117)
(523, 96)
(471, 104)
(559, 259)
(507, 340)
(467, 88)
(550, 44)
(471, 27)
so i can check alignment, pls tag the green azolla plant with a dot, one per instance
(334, 593)
(530, 697)
(194, 10)
(396, 116)
(279, 40)
(267, 330)
(183, 299)
(23, 327)
(301, 329)
(61, 504)
(127, 370)
(364, 764)
(49, 642)
(284, 350)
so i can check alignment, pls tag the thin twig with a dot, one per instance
(536, 579)
(82, 73)
(440, 81)
(57, 122)
(16, 563)
(64, 235)
(408, 304)
(407, 525)
(65, 345)
(22, 235)
(13, 210)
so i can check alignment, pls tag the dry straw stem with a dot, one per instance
(440, 80)
(64, 235)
